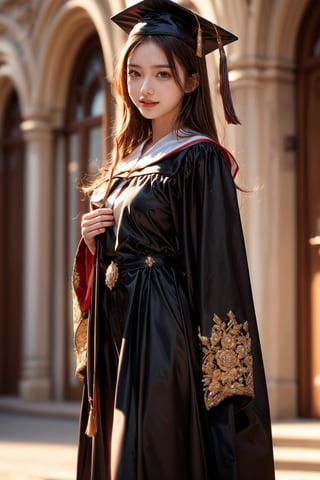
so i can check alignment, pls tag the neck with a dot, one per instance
(159, 130)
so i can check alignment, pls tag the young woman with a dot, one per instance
(174, 386)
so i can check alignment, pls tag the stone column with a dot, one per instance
(35, 383)
(265, 98)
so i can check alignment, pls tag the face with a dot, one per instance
(151, 85)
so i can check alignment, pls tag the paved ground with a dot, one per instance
(37, 447)
(43, 446)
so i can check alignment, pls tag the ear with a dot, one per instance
(192, 82)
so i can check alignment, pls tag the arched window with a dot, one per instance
(84, 122)
(11, 241)
(86, 146)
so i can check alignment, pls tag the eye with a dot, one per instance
(133, 73)
(164, 74)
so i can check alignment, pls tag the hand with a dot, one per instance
(94, 223)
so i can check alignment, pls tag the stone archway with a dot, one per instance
(73, 22)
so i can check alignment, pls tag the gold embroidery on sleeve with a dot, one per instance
(226, 361)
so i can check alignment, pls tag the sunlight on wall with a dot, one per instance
(315, 312)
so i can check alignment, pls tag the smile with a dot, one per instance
(148, 103)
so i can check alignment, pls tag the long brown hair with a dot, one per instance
(196, 113)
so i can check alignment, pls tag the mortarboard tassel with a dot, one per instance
(91, 429)
(229, 112)
(92, 425)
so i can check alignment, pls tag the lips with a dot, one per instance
(147, 103)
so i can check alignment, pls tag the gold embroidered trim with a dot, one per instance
(112, 275)
(227, 362)
(80, 326)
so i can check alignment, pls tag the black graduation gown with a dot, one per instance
(181, 214)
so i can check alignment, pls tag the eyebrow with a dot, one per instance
(152, 66)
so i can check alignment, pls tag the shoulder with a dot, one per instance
(199, 152)
(207, 156)
(204, 147)
(194, 150)
(207, 149)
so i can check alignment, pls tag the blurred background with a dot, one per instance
(56, 119)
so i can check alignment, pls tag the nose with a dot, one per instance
(146, 86)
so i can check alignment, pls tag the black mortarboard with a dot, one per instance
(164, 17)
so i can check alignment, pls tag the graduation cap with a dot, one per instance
(165, 17)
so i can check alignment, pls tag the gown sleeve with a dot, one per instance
(233, 378)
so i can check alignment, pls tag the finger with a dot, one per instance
(96, 226)
(99, 211)
(99, 220)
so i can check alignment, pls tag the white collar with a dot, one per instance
(168, 144)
